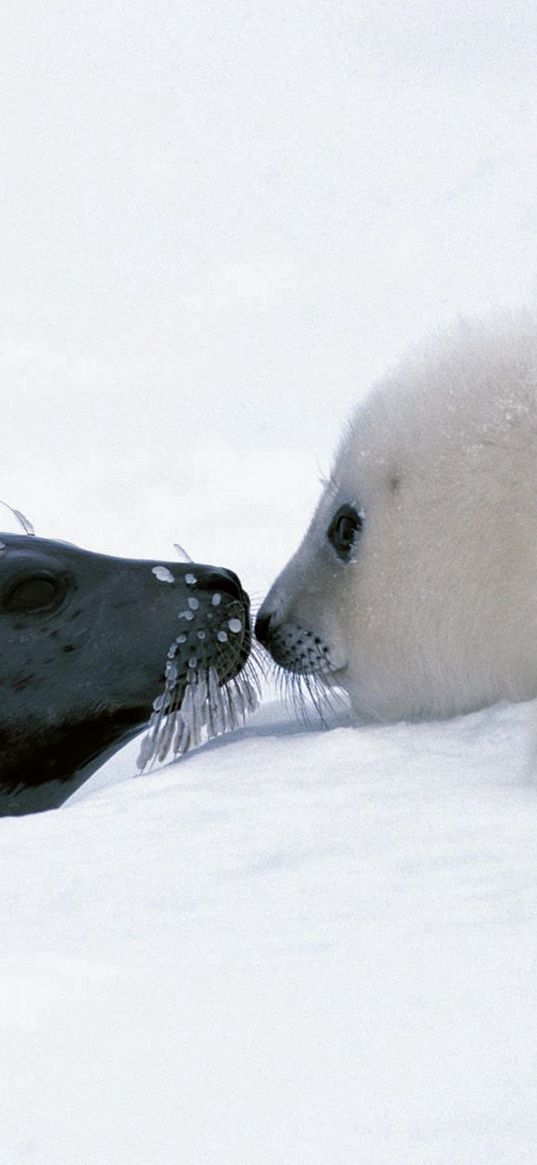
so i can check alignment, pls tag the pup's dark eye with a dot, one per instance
(343, 531)
(36, 593)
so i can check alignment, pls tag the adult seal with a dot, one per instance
(415, 587)
(90, 645)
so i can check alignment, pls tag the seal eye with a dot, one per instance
(343, 531)
(37, 593)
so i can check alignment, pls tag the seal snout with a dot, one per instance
(219, 579)
(292, 646)
(207, 689)
(225, 593)
(263, 627)
(95, 647)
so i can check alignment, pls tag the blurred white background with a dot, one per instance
(219, 222)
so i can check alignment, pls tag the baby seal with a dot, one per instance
(415, 587)
(90, 645)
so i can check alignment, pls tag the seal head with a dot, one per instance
(415, 587)
(84, 647)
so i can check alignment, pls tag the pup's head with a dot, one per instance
(415, 587)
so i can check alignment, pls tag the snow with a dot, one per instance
(293, 946)
(219, 223)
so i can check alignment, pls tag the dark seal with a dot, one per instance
(88, 645)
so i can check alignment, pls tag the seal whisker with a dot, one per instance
(207, 702)
(182, 554)
(21, 518)
(313, 698)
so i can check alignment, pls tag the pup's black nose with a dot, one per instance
(262, 627)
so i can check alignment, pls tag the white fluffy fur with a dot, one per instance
(437, 611)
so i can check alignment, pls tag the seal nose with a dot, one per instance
(211, 579)
(262, 627)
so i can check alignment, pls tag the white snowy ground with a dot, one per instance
(292, 948)
(219, 223)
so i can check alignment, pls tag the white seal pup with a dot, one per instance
(415, 587)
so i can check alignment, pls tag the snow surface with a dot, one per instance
(292, 947)
(219, 222)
